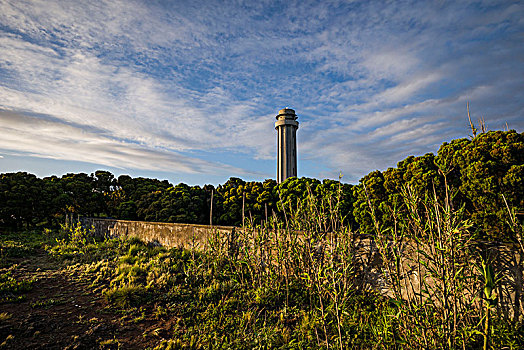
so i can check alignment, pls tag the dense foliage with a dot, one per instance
(485, 174)
(28, 201)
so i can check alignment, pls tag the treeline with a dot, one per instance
(484, 174)
(26, 200)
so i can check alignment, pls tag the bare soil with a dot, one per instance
(63, 311)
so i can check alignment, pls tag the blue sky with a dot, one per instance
(188, 90)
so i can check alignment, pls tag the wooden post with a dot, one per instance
(211, 210)
(265, 204)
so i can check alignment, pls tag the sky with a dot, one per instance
(188, 91)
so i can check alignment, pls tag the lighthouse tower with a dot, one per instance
(286, 126)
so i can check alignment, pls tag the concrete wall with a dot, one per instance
(166, 234)
(508, 260)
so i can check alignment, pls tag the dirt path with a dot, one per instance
(64, 312)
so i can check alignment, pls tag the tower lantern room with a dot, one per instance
(286, 126)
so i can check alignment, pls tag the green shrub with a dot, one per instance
(127, 296)
(12, 289)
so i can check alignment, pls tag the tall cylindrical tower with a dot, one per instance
(286, 126)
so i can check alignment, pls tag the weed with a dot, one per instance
(47, 303)
(127, 296)
(7, 341)
(160, 312)
(110, 344)
(11, 289)
(306, 282)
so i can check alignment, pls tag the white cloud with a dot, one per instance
(51, 138)
(405, 90)
(170, 79)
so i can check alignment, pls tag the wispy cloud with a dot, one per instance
(48, 137)
(149, 85)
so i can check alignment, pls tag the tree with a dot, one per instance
(483, 174)
(487, 172)
(371, 203)
(21, 203)
(80, 196)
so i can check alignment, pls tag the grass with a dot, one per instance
(14, 245)
(48, 303)
(13, 289)
(292, 285)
